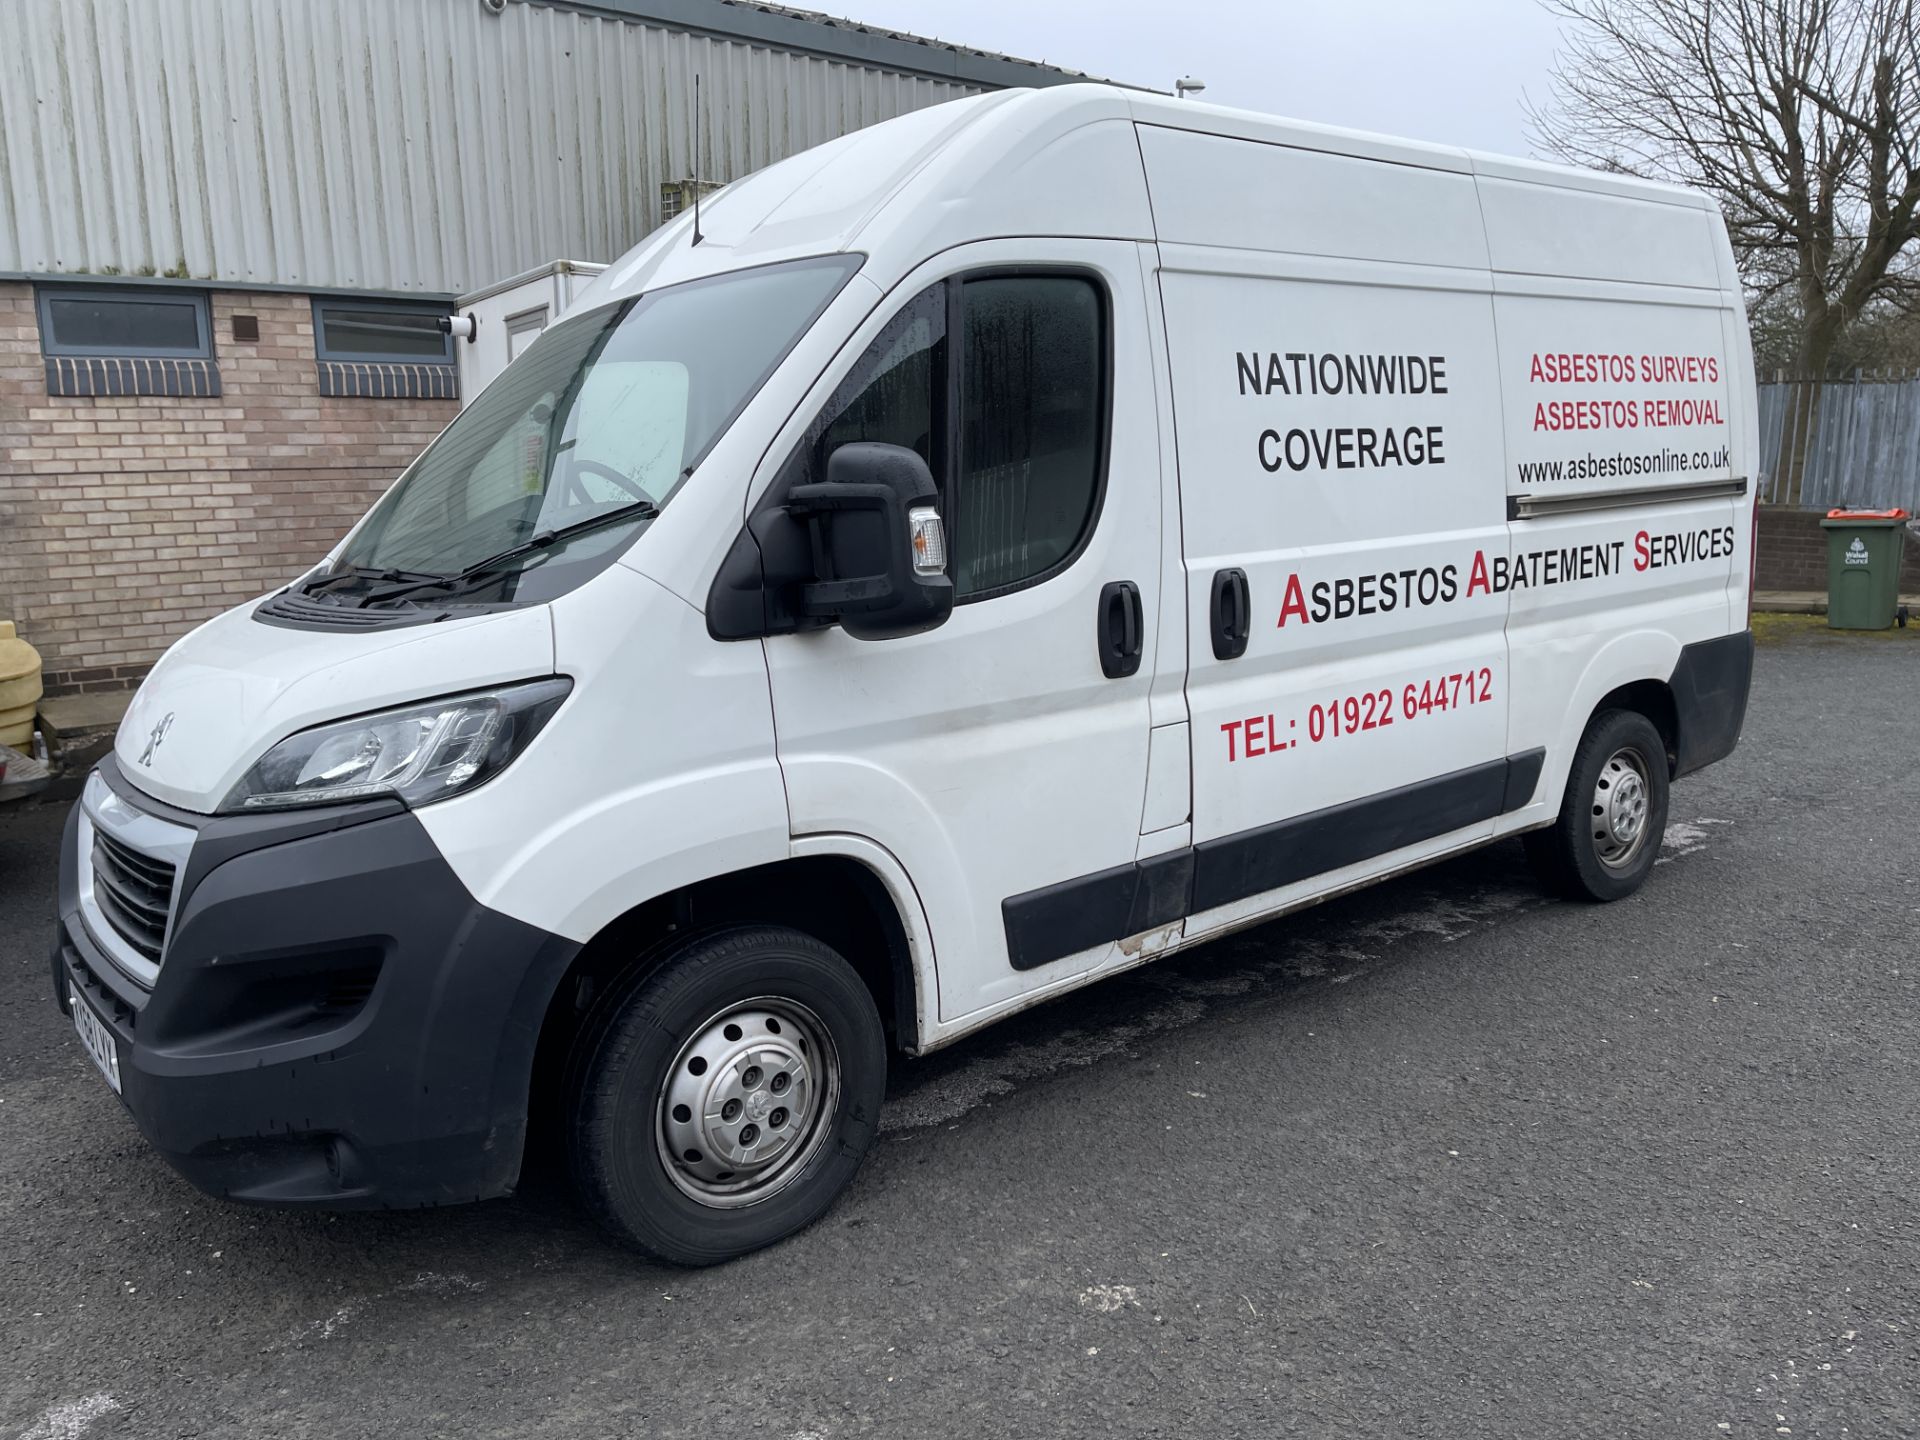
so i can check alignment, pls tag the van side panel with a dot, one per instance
(1612, 388)
(1211, 190)
(1580, 232)
(1608, 606)
(1339, 443)
(1623, 396)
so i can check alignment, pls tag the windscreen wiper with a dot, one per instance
(323, 583)
(638, 510)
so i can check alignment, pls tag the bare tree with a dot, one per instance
(1802, 116)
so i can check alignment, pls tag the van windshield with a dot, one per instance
(601, 420)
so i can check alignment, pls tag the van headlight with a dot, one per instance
(420, 753)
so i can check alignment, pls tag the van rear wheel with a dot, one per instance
(723, 1100)
(1613, 815)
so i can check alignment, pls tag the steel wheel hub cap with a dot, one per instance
(742, 1108)
(1620, 803)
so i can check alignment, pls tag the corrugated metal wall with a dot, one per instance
(404, 145)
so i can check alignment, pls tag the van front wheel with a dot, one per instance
(722, 1101)
(1613, 815)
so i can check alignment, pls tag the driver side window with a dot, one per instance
(897, 393)
(1014, 431)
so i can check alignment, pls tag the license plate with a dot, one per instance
(96, 1039)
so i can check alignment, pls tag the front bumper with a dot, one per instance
(336, 1021)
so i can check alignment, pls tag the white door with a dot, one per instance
(1340, 482)
(999, 757)
(1336, 395)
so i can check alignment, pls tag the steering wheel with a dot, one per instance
(578, 492)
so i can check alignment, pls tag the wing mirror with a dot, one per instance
(879, 551)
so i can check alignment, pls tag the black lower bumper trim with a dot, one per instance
(337, 1021)
(1710, 688)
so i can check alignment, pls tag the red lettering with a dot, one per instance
(1255, 734)
(1295, 602)
(1229, 730)
(1641, 556)
(1478, 579)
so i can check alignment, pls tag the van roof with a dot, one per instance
(942, 161)
(1156, 109)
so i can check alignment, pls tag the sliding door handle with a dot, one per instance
(1122, 629)
(1232, 614)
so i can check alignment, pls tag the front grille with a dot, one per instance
(106, 1000)
(134, 893)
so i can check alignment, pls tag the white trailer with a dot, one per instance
(497, 323)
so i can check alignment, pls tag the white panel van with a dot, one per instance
(1004, 545)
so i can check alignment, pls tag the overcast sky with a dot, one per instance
(1452, 71)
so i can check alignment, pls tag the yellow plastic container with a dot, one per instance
(20, 688)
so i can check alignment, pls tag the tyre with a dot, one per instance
(722, 1100)
(1613, 815)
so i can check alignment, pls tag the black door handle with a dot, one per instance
(1122, 628)
(1232, 614)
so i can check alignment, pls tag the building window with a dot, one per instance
(383, 350)
(101, 320)
(123, 340)
(677, 196)
(368, 330)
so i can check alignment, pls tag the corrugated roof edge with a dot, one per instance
(817, 33)
(213, 282)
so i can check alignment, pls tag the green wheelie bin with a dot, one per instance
(1863, 567)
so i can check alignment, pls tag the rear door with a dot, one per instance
(1002, 758)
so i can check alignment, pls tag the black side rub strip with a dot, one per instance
(1055, 921)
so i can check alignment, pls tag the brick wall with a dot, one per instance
(126, 521)
(1793, 553)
